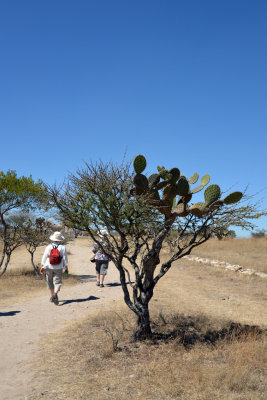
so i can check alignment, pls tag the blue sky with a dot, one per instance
(182, 82)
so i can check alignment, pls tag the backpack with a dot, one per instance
(55, 257)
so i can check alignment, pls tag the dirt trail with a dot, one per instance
(22, 325)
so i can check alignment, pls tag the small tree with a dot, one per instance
(139, 214)
(35, 234)
(260, 233)
(16, 194)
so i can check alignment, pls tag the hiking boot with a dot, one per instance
(51, 299)
(97, 283)
(101, 285)
(55, 299)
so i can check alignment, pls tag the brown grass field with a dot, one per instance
(214, 348)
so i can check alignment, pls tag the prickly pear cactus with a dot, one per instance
(211, 194)
(169, 193)
(164, 173)
(233, 198)
(205, 180)
(161, 185)
(139, 164)
(175, 175)
(153, 180)
(161, 189)
(182, 186)
(140, 181)
(196, 189)
(193, 178)
(198, 209)
(184, 199)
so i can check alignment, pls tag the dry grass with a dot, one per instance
(249, 253)
(21, 285)
(203, 359)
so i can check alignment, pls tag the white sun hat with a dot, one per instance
(56, 237)
(103, 233)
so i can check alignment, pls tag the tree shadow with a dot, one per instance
(90, 298)
(9, 313)
(85, 277)
(188, 331)
(113, 284)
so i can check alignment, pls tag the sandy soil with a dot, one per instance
(24, 324)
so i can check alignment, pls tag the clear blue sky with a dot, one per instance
(182, 82)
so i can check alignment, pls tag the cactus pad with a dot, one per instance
(205, 180)
(197, 209)
(139, 164)
(169, 192)
(175, 174)
(211, 194)
(233, 198)
(164, 173)
(197, 189)
(161, 185)
(193, 178)
(153, 180)
(140, 181)
(182, 186)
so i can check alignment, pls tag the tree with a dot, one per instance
(260, 233)
(139, 214)
(36, 233)
(16, 194)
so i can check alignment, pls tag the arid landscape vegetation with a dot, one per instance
(210, 325)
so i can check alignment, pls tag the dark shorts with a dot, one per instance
(101, 267)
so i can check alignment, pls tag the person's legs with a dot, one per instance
(57, 280)
(103, 272)
(97, 268)
(49, 282)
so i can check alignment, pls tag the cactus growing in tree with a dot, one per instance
(173, 183)
(139, 220)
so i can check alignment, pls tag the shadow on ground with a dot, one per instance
(90, 298)
(9, 313)
(188, 330)
(85, 277)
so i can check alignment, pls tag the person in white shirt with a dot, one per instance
(54, 262)
(100, 259)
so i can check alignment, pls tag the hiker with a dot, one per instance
(54, 261)
(100, 259)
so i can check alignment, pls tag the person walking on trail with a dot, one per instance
(100, 258)
(54, 262)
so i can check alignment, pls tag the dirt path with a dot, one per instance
(22, 325)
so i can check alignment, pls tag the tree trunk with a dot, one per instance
(36, 271)
(6, 264)
(143, 329)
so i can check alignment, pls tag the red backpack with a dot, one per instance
(55, 257)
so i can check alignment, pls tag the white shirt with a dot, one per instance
(64, 258)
